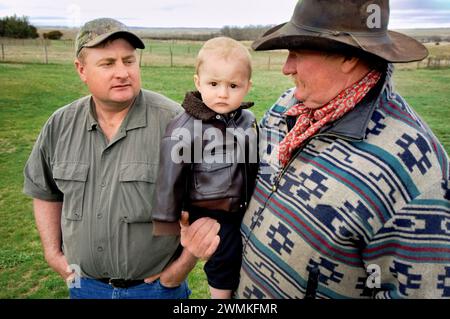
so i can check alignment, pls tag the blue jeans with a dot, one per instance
(94, 289)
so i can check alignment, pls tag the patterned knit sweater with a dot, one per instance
(361, 211)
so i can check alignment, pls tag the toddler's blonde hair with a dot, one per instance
(226, 48)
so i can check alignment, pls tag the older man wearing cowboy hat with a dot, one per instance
(352, 198)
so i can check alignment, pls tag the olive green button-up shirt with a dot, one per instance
(106, 188)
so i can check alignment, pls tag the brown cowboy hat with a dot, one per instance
(338, 25)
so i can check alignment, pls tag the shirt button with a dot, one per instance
(99, 216)
(103, 185)
(218, 116)
(100, 248)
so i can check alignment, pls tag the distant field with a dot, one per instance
(70, 33)
(30, 93)
(440, 32)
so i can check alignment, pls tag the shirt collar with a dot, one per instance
(91, 120)
(136, 117)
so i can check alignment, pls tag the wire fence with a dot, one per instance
(173, 53)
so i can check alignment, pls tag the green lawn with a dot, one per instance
(30, 93)
(428, 91)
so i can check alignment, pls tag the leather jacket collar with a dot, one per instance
(194, 105)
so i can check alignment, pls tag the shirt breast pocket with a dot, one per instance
(137, 184)
(71, 180)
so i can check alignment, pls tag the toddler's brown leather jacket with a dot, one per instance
(208, 161)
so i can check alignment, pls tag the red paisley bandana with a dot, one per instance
(310, 121)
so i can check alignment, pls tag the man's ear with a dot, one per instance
(81, 70)
(349, 64)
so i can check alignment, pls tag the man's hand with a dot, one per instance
(48, 222)
(174, 274)
(201, 238)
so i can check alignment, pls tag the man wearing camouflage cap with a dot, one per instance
(91, 174)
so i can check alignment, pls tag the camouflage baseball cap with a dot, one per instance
(94, 32)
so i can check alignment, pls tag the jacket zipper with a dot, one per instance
(247, 200)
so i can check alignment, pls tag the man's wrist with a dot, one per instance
(187, 259)
(52, 255)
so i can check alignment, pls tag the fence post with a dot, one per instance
(3, 52)
(171, 57)
(45, 51)
(140, 58)
(149, 59)
(268, 64)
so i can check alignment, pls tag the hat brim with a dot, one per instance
(129, 36)
(391, 46)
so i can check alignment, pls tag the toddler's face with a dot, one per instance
(223, 83)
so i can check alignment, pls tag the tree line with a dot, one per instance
(17, 27)
(246, 33)
(20, 27)
(250, 32)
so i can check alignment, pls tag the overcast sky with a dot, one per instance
(204, 13)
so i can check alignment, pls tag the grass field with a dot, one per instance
(177, 53)
(30, 93)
